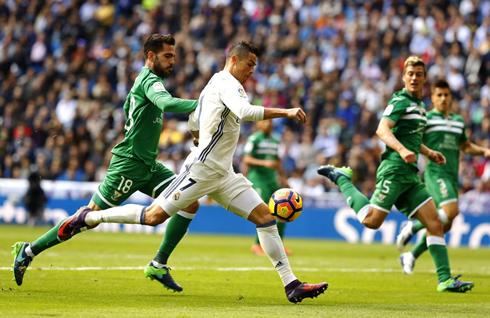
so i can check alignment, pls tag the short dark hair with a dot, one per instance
(155, 43)
(241, 49)
(440, 83)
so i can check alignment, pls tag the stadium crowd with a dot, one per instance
(67, 65)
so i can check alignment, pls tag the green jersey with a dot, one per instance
(262, 147)
(445, 134)
(144, 108)
(408, 114)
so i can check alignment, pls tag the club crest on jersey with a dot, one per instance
(116, 195)
(176, 196)
(158, 87)
(381, 198)
(241, 92)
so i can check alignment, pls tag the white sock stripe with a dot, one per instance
(29, 251)
(142, 215)
(363, 212)
(186, 215)
(435, 240)
(443, 216)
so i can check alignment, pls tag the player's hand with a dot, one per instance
(408, 156)
(298, 114)
(195, 141)
(486, 153)
(437, 157)
(271, 164)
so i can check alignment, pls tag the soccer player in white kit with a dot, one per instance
(208, 170)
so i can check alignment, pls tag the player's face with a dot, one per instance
(414, 78)
(265, 126)
(164, 61)
(244, 69)
(441, 98)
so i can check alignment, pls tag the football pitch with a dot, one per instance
(101, 275)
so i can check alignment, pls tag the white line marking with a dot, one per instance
(484, 271)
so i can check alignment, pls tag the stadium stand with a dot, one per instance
(66, 67)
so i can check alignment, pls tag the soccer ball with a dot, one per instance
(285, 205)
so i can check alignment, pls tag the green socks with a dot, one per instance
(49, 239)
(417, 226)
(438, 251)
(354, 197)
(420, 247)
(280, 228)
(176, 229)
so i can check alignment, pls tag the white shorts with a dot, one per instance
(197, 180)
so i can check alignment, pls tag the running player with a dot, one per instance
(445, 132)
(262, 158)
(133, 166)
(401, 129)
(208, 170)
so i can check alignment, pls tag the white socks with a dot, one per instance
(29, 251)
(128, 214)
(272, 245)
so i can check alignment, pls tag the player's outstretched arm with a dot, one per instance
(433, 155)
(385, 134)
(252, 161)
(176, 105)
(473, 149)
(293, 113)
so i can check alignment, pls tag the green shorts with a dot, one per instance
(265, 190)
(125, 176)
(398, 184)
(442, 187)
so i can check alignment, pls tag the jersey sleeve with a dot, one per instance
(155, 91)
(250, 146)
(235, 98)
(193, 123)
(464, 136)
(394, 110)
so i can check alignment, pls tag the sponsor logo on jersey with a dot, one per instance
(176, 196)
(158, 87)
(241, 92)
(159, 120)
(116, 195)
(381, 198)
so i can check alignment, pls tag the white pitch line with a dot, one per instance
(239, 269)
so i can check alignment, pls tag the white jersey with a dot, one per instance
(222, 104)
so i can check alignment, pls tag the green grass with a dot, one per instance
(221, 278)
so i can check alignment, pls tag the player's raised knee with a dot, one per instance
(372, 223)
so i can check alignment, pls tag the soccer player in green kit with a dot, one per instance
(401, 128)
(262, 158)
(133, 166)
(446, 133)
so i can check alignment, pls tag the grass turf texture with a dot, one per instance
(221, 278)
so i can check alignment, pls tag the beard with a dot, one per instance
(160, 70)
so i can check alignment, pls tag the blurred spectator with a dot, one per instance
(35, 200)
